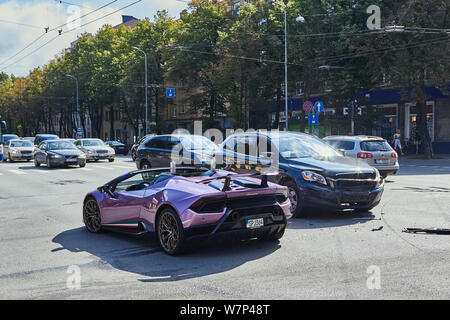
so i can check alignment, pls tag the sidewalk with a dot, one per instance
(439, 160)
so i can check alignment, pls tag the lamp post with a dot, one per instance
(298, 19)
(77, 121)
(146, 89)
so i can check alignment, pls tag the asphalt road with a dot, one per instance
(326, 256)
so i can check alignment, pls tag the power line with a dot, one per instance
(127, 6)
(22, 24)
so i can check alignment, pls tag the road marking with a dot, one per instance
(17, 171)
(116, 166)
(105, 168)
(86, 169)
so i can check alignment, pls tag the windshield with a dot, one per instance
(303, 146)
(43, 138)
(198, 143)
(342, 144)
(61, 145)
(21, 144)
(380, 145)
(93, 143)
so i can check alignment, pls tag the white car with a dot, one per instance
(18, 149)
(376, 151)
(95, 149)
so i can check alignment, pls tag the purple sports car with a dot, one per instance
(190, 204)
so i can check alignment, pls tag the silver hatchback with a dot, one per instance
(376, 151)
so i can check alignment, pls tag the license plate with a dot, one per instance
(255, 223)
(382, 161)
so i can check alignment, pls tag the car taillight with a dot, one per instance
(394, 155)
(364, 155)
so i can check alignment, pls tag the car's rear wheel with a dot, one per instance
(297, 209)
(91, 216)
(170, 232)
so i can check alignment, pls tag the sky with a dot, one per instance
(24, 44)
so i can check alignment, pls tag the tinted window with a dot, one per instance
(342, 144)
(380, 145)
(159, 142)
(43, 138)
(197, 143)
(6, 138)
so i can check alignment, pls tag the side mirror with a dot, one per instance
(106, 189)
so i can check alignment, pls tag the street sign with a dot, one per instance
(318, 106)
(79, 132)
(313, 119)
(308, 106)
(170, 92)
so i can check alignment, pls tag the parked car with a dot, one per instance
(96, 149)
(58, 153)
(43, 137)
(135, 146)
(69, 140)
(376, 151)
(189, 204)
(7, 137)
(17, 149)
(317, 176)
(118, 147)
(157, 152)
(31, 139)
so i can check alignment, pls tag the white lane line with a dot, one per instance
(122, 167)
(17, 171)
(86, 169)
(105, 168)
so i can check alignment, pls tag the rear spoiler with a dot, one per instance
(229, 177)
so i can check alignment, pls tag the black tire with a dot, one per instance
(298, 211)
(82, 165)
(145, 164)
(170, 232)
(274, 237)
(9, 158)
(49, 164)
(91, 215)
(133, 156)
(111, 160)
(36, 163)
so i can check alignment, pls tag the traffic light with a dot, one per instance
(345, 111)
(359, 111)
(3, 125)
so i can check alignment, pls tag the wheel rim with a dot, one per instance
(293, 198)
(168, 232)
(145, 166)
(91, 215)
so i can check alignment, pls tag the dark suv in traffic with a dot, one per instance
(317, 175)
(158, 151)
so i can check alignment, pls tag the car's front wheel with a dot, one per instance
(145, 164)
(49, 163)
(170, 232)
(36, 163)
(111, 160)
(297, 209)
(91, 216)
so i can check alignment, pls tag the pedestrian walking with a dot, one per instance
(397, 143)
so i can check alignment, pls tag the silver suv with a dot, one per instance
(376, 151)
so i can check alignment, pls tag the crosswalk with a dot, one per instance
(30, 170)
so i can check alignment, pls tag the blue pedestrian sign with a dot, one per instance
(318, 106)
(313, 119)
(170, 92)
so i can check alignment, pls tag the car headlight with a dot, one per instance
(310, 176)
(91, 152)
(55, 156)
(82, 156)
(15, 151)
(111, 150)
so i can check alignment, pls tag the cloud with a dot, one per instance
(43, 14)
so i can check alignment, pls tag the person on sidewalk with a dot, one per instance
(397, 143)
